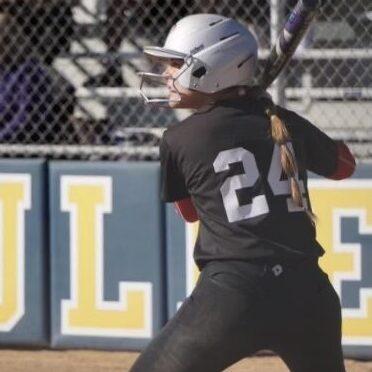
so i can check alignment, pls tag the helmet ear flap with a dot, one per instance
(198, 73)
(198, 70)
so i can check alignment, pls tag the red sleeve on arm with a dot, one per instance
(345, 163)
(186, 209)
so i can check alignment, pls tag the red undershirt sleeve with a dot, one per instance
(186, 209)
(345, 163)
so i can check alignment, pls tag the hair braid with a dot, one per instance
(281, 137)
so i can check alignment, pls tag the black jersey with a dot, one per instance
(225, 159)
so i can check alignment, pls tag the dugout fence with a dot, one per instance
(69, 84)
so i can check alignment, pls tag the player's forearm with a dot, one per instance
(345, 162)
(186, 209)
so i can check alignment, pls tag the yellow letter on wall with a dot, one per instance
(87, 199)
(192, 271)
(15, 199)
(332, 201)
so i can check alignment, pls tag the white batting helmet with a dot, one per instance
(218, 52)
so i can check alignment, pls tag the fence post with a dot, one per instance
(276, 24)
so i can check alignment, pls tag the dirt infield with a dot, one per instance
(101, 361)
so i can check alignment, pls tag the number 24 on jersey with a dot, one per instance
(259, 206)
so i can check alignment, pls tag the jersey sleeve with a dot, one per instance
(321, 153)
(173, 185)
(345, 162)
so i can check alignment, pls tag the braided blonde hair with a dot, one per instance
(282, 138)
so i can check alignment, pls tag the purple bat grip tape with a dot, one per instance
(303, 11)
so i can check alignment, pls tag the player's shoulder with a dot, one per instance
(296, 123)
(175, 134)
(176, 130)
(291, 116)
(192, 126)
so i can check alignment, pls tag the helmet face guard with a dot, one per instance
(153, 89)
(154, 86)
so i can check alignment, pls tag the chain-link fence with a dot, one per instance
(69, 83)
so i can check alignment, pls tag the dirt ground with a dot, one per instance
(104, 361)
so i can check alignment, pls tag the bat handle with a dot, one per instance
(301, 16)
(289, 38)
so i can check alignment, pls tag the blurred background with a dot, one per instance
(69, 84)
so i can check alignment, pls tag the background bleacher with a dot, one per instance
(329, 80)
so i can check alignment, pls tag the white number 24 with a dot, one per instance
(259, 206)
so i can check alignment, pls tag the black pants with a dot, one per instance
(238, 308)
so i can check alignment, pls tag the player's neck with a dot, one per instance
(249, 92)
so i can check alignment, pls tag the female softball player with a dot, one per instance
(239, 166)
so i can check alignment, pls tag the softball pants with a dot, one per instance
(239, 308)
